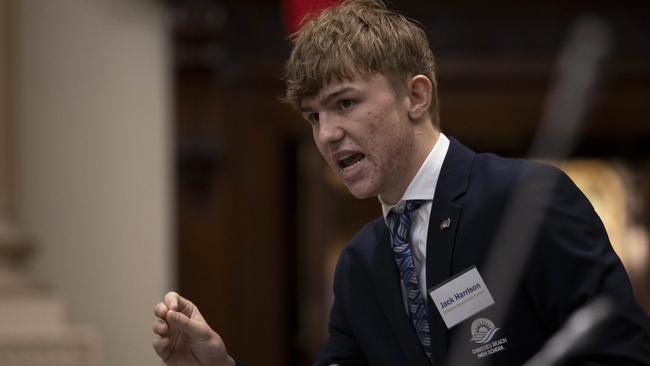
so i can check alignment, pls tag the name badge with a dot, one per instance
(461, 296)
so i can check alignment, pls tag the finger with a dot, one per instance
(176, 302)
(160, 327)
(160, 310)
(196, 330)
(161, 346)
(171, 300)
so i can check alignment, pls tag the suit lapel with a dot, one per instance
(386, 279)
(443, 224)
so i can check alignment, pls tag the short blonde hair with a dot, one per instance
(357, 38)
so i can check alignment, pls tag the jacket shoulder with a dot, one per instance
(494, 169)
(368, 237)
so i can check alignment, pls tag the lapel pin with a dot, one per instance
(445, 224)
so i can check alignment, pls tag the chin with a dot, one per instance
(362, 192)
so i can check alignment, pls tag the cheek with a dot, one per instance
(386, 139)
(391, 146)
(374, 121)
(386, 149)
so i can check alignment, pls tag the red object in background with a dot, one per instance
(296, 10)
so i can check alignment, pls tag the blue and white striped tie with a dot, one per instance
(400, 237)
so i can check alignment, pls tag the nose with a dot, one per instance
(329, 129)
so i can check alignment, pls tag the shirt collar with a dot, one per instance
(423, 185)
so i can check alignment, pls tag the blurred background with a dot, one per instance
(143, 149)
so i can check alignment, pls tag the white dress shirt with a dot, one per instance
(422, 187)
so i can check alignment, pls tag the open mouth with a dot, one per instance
(350, 160)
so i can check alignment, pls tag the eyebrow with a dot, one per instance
(329, 97)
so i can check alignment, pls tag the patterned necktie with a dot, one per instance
(400, 237)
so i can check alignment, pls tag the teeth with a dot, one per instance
(350, 161)
(355, 163)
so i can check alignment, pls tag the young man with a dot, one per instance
(363, 77)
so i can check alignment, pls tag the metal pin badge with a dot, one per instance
(445, 224)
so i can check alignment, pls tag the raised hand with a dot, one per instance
(183, 338)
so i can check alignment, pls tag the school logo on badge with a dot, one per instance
(483, 331)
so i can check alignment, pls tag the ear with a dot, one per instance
(419, 90)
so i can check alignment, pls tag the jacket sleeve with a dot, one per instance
(341, 347)
(574, 263)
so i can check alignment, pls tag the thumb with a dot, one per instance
(195, 329)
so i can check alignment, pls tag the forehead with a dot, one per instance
(333, 88)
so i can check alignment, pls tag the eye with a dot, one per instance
(312, 117)
(346, 103)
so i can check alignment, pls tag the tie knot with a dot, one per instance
(409, 207)
(412, 205)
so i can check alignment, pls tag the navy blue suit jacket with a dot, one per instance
(571, 263)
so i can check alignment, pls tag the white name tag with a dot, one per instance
(461, 296)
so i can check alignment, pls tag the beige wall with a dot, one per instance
(93, 127)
